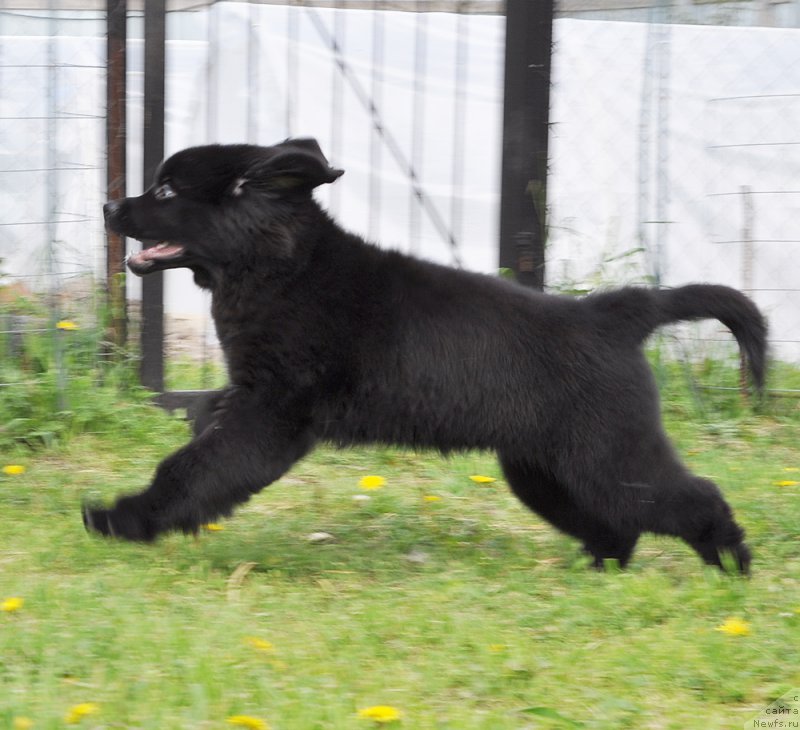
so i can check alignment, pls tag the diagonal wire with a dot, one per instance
(391, 143)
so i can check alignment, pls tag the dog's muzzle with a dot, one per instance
(110, 208)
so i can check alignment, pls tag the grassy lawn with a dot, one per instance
(464, 611)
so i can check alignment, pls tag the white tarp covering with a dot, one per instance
(730, 123)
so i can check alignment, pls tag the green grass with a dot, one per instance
(467, 612)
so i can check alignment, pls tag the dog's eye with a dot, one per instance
(165, 192)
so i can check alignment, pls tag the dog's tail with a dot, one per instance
(632, 314)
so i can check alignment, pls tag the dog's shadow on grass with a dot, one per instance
(392, 547)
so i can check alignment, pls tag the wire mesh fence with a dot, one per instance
(674, 149)
(681, 167)
(51, 185)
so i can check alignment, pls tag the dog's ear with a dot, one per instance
(296, 165)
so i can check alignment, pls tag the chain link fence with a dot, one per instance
(674, 144)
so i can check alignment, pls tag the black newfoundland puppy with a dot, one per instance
(329, 338)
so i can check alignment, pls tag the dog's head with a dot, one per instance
(212, 205)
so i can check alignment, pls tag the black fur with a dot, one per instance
(328, 338)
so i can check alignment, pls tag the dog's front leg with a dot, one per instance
(246, 447)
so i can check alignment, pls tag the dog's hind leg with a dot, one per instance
(695, 510)
(546, 496)
(234, 457)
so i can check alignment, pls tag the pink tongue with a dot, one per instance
(157, 252)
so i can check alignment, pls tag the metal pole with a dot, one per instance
(212, 72)
(654, 175)
(663, 56)
(526, 114)
(152, 368)
(116, 164)
(51, 196)
(376, 93)
(418, 133)
(253, 84)
(748, 259)
(337, 98)
(292, 94)
(459, 116)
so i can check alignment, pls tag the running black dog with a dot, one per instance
(329, 338)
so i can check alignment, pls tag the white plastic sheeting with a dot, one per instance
(730, 124)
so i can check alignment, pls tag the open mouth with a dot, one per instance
(161, 256)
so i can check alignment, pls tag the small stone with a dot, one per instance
(418, 557)
(320, 537)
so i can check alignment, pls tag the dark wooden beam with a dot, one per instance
(152, 333)
(526, 115)
(187, 399)
(116, 165)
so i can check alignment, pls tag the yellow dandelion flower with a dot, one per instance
(13, 470)
(76, 713)
(371, 482)
(786, 483)
(22, 723)
(497, 648)
(66, 324)
(213, 527)
(791, 468)
(259, 644)
(254, 723)
(480, 479)
(734, 627)
(11, 604)
(432, 498)
(380, 713)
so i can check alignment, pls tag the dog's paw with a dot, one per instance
(117, 523)
(736, 560)
(97, 520)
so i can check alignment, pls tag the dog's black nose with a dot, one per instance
(110, 208)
